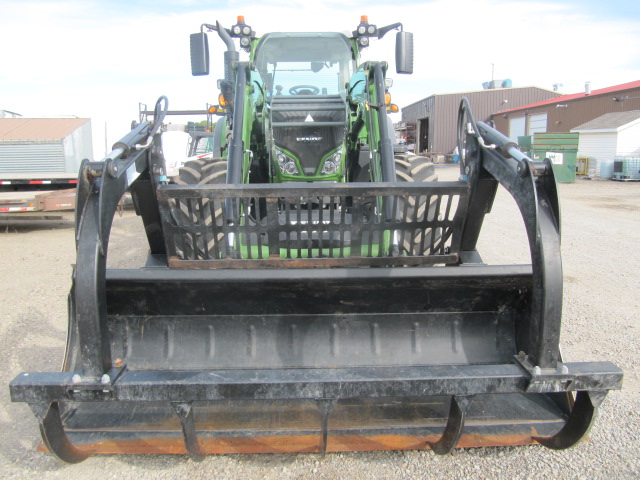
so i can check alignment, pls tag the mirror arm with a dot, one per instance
(384, 30)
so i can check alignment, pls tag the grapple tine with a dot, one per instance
(579, 422)
(455, 424)
(325, 405)
(185, 413)
(53, 434)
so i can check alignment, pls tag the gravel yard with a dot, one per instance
(601, 263)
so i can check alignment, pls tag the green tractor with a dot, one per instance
(304, 109)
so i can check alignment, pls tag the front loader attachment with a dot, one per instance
(286, 318)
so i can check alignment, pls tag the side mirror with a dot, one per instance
(404, 52)
(199, 54)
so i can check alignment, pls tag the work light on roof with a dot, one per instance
(365, 28)
(241, 29)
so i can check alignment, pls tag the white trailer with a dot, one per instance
(39, 162)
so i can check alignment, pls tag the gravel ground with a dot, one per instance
(601, 240)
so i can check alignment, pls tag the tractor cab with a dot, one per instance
(305, 77)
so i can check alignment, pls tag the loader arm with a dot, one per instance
(370, 125)
(493, 159)
(101, 185)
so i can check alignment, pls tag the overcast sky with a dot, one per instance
(100, 58)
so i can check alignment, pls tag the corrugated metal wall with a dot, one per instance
(442, 111)
(31, 157)
(78, 145)
(412, 114)
(41, 157)
(578, 111)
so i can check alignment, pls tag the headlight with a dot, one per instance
(332, 164)
(290, 168)
(286, 163)
(330, 167)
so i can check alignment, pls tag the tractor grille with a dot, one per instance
(308, 126)
(209, 226)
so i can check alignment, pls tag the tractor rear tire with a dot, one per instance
(189, 173)
(214, 172)
(200, 172)
(415, 168)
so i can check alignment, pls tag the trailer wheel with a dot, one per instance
(415, 168)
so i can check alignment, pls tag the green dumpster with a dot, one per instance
(524, 143)
(561, 149)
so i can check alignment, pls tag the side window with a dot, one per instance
(357, 85)
(259, 87)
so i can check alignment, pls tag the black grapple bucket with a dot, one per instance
(288, 318)
(304, 352)
(286, 360)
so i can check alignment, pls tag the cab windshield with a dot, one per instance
(304, 64)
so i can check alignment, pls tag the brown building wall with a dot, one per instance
(435, 117)
(414, 117)
(576, 112)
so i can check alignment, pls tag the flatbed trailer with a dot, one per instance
(26, 193)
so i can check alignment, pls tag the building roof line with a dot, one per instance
(577, 96)
(499, 89)
(610, 122)
(21, 129)
(479, 91)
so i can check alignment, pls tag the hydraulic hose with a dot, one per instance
(384, 145)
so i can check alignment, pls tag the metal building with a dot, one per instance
(566, 112)
(430, 123)
(43, 147)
